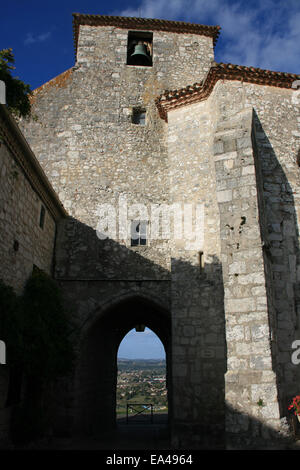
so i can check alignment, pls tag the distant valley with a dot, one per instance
(142, 381)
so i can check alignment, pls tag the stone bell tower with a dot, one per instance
(146, 118)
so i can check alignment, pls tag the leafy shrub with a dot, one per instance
(17, 92)
(10, 318)
(46, 329)
(37, 331)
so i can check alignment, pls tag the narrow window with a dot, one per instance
(139, 116)
(42, 216)
(139, 48)
(138, 233)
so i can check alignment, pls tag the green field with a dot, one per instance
(143, 382)
(142, 364)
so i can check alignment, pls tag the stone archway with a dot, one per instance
(96, 377)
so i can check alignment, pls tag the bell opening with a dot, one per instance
(139, 50)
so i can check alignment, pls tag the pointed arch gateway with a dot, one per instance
(96, 379)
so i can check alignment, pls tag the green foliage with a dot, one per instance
(36, 329)
(46, 330)
(136, 384)
(10, 319)
(17, 92)
(37, 332)
(260, 402)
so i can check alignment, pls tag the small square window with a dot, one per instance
(138, 232)
(139, 116)
(42, 216)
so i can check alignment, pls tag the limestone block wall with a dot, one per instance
(276, 129)
(94, 304)
(24, 190)
(81, 255)
(251, 181)
(198, 333)
(93, 154)
(274, 154)
(250, 375)
(84, 136)
(234, 295)
(23, 243)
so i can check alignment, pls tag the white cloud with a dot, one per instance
(264, 34)
(31, 39)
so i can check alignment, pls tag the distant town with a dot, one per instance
(142, 381)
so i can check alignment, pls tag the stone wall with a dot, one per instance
(104, 312)
(198, 334)
(94, 154)
(91, 150)
(23, 243)
(276, 132)
(233, 295)
(253, 183)
(248, 330)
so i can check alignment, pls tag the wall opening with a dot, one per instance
(138, 232)
(138, 116)
(97, 373)
(42, 216)
(142, 395)
(139, 48)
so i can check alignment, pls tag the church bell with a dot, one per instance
(140, 56)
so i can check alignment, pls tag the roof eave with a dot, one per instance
(151, 24)
(28, 162)
(200, 91)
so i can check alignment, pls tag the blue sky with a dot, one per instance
(259, 33)
(144, 345)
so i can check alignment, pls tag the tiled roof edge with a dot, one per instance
(23, 154)
(201, 91)
(142, 23)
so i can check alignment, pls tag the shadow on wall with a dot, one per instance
(200, 354)
(252, 434)
(108, 299)
(111, 288)
(280, 233)
(298, 158)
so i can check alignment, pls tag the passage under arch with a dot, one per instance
(97, 370)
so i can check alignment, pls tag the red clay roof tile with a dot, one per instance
(144, 24)
(200, 91)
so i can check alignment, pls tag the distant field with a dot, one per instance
(141, 364)
(143, 382)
